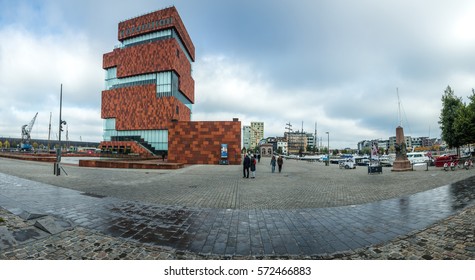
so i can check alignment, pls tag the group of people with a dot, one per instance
(250, 162)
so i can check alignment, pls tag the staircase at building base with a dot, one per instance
(140, 142)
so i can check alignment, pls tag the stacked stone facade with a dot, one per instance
(138, 107)
(200, 142)
(141, 109)
(152, 57)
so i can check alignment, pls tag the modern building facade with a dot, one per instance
(252, 135)
(148, 80)
(149, 92)
(388, 145)
(311, 141)
(407, 140)
(282, 145)
(246, 137)
(296, 142)
(257, 133)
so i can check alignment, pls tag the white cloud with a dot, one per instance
(32, 68)
(226, 88)
(337, 63)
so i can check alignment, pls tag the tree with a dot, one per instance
(450, 105)
(392, 150)
(463, 124)
(310, 148)
(6, 144)
(471, 117)
(365, 151)
(345, 151)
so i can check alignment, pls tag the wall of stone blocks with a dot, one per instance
(153, 57)
(143, 25)
(199, 142)
(138, 108)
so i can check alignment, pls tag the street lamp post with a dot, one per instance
(57, 165)
(328, 157)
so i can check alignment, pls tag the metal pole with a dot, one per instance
(58, 151)
(60, 109)
(289, 127)
(328, 158)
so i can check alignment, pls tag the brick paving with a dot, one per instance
(210, 212)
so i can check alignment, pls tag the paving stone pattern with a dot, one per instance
(189, 229)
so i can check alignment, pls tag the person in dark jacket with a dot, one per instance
(280, 162)
(253, 167)
(246, 163)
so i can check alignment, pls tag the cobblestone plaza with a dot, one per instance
(211, 212)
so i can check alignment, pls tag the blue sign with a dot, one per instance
(224, 150)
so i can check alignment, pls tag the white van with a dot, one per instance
(418, 157)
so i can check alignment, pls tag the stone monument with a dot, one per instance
(401, 163)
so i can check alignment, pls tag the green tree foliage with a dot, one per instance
(471, 117)
(463, 124)
(450, 105)
(365, 151)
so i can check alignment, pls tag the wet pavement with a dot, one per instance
(238, 231)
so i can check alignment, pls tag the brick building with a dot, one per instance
(149, 93)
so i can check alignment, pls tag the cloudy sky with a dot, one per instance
(332, 62)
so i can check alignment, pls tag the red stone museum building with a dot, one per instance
(149, 93)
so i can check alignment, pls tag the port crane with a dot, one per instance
(25, 134)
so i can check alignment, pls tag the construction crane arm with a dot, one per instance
(32, 123)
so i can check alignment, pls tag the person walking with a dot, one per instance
(253, 167)
(280, 162)
(272, 163)
(246, 163)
